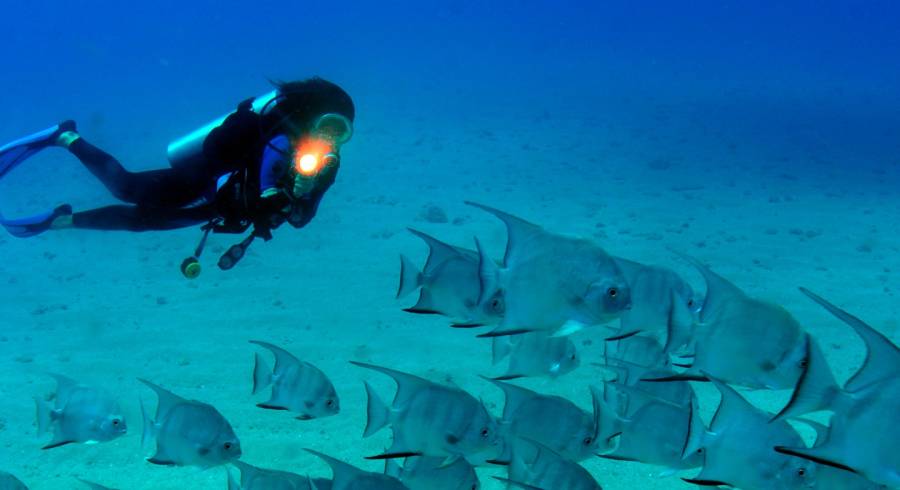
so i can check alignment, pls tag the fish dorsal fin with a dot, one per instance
(342, 473)
(816, 389)
(407, 384)
(882, 356)
(283, 358)
(488, 275)
(438, 251)
(518, 232)
(167, 399)
(734, 409)
(64, 387)
(720, 292)
(514, 397)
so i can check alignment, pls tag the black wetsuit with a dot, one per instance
(187, 195)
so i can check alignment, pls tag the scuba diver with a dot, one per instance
(269, 161)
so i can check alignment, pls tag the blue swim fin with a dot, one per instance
(34, 225)
(14, 153)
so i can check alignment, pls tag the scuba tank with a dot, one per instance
(189, 148)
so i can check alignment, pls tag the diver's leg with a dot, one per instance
(136, 218)
(172, 187)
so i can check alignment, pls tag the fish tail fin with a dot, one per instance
(149, 425)
(44, 415)
(410, 277)
(378, 413)
(262, 375)
(816, 390)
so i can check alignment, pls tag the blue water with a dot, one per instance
(766, 138)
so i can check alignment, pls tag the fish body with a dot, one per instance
(188, 432)
(449, 284)
(255, 478)
(738, 448)
(430, 419)
(535, 354)
(662, 304)
(536, 466)
(551, 282)
(863, 434)
(553, 421)
(80, 414)
(746, 341)
(297, 386)
(349, 477)
(431, 473)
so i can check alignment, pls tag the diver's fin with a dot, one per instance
(15, 152)
(34, 225)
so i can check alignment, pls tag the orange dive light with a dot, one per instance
(312, 156)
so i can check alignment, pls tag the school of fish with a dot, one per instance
(659, 335)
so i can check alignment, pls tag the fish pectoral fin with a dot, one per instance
(466, 325)
(500, 332)
(707, 483)
(568, 328)
(58, 444)
(814, 454)
(269, 406)
(421, 311)
(448, 461)
(405, 454)
(161, 462)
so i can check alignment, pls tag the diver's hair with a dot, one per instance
(304, 100)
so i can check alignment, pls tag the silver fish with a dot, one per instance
(297, 386)
(188, 433)
(80, 414)
(430, 419)
(349, 477)
(655, 433)
(535, 354)
(10, 482)
(864, 431)
(449, 285)
(430, 473)
(255, 478)
(534, 466)
(554, 421)
(551, 282)
(662, 304)
(743, 340)
(737, 449)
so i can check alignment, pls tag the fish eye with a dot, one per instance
(804, 363)
(801, 471)
(115, 421)
(329, 403)
(485, 432)
(587, 441)
(690, 303)
(612, 292)
(227, 446)
(700, 451)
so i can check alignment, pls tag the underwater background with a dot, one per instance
(762, 138)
